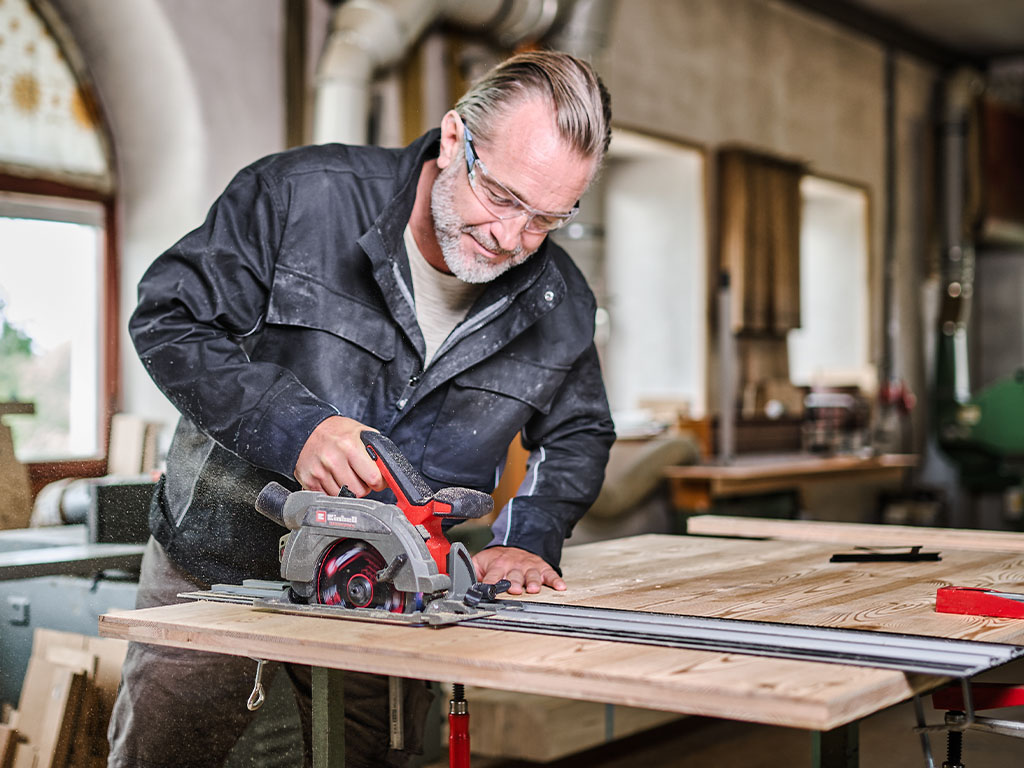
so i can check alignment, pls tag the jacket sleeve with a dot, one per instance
(197, 303)
(569, 448)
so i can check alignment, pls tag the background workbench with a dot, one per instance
(743, 579)
(695, 487)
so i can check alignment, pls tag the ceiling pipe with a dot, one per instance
(365, 35)
(369, 35)
(582, 28)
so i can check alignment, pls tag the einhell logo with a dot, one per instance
(333, 518)
(346, 521)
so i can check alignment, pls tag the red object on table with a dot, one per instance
(975, 601)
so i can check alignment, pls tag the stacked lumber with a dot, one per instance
(65, 704)
(133, 445)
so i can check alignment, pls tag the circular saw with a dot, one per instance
(363, 556)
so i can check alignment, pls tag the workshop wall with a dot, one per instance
(787, 82)
(193, 92)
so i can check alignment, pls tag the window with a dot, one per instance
(832, 344)
(655, 257)
(58, 281)
(52, 291)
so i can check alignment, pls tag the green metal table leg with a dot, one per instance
(328, 718)
(838, 748)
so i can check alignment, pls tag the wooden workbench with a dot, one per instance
(742, 579)
(694, 487)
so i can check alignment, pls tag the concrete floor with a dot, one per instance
(886, 739)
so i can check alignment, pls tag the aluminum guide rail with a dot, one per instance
(884, 650)
(945, 657)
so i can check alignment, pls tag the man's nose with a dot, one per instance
(509, 232)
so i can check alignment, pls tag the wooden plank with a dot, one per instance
(101, 659)
(742, 579)
(792, 467)
(9, 407)
(49, 708)
(856, 534)
(689, 682)
(15, 490)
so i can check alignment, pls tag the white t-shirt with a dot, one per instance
(442, 301)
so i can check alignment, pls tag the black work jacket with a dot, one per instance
(293, 302)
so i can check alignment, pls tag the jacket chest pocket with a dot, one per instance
(336, 345)
(482, 411)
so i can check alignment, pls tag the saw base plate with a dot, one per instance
(273, 596)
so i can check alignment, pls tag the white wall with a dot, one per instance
(765, 74)
(192, 91)
(655, 258)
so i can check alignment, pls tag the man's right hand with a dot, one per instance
(334, 456)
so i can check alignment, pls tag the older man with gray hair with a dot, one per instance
(335, 289)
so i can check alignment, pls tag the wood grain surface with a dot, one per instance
(742, 579)
(856, 534)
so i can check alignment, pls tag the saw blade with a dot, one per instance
(346, 577)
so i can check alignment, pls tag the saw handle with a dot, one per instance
(417, 500)
(412, 490)
(401, 477)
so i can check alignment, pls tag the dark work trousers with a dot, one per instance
(186, 709)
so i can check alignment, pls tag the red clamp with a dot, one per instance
(983, 696)
(975, 601)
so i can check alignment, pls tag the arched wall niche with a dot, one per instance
(146, 92)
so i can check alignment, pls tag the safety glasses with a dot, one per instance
(501, 202)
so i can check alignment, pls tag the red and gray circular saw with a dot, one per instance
(367, 557)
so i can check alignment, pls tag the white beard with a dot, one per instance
(449, 228)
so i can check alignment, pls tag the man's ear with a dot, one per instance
(450, 136)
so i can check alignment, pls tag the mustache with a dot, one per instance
(490, 243)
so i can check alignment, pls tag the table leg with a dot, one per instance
(838, 748)
(328, 718)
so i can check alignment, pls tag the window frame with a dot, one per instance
(868, 371)
(43, 472)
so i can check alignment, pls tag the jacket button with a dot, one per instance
(549, 295)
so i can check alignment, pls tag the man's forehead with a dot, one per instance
(528, 121)
(524, 142)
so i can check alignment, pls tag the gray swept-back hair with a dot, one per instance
(583, 111)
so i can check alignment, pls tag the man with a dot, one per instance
(334, 289)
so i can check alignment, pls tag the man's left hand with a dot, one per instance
(524, 569)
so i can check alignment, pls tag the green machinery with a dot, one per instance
(981, 431)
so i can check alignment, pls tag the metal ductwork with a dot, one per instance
(369, 35)
(365, 35)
